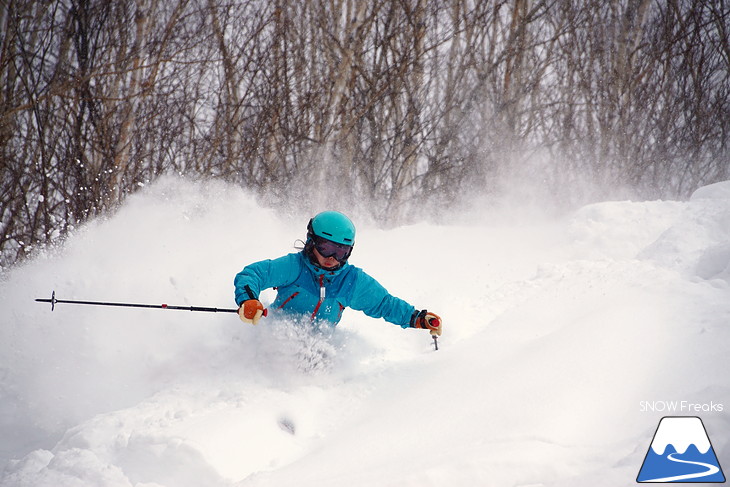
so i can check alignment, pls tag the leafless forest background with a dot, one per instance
(393, 105)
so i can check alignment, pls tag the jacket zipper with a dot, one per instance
(281, 306)
(322, 295)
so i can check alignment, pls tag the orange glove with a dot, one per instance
(251, 311)
(427, 321)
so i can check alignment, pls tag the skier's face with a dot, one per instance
(325, 262)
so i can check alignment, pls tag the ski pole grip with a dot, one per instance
(435, 322)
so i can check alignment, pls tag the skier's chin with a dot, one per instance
(330, 264)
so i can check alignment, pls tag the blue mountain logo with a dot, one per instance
(681, 452)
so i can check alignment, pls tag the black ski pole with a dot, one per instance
(53, 302)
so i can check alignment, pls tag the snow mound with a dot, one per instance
(716, 191)
(698, 242)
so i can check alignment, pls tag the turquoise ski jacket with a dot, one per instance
(321, 295)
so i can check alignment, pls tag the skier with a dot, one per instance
(318, 282)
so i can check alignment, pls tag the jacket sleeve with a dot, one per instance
(265, 274)
(370, 297)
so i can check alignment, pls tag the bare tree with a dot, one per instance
(392, 106)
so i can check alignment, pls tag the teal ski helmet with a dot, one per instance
(333, 235)
(333, 226)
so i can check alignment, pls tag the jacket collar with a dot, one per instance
(318, 271)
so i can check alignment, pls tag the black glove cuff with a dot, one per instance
(250, 293)
(417, 319)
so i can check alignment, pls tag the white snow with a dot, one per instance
(557, 331)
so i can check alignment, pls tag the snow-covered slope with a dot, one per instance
(563, 341)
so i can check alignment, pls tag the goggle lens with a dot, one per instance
(327, 248)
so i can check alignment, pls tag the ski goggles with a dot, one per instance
(328, 248)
